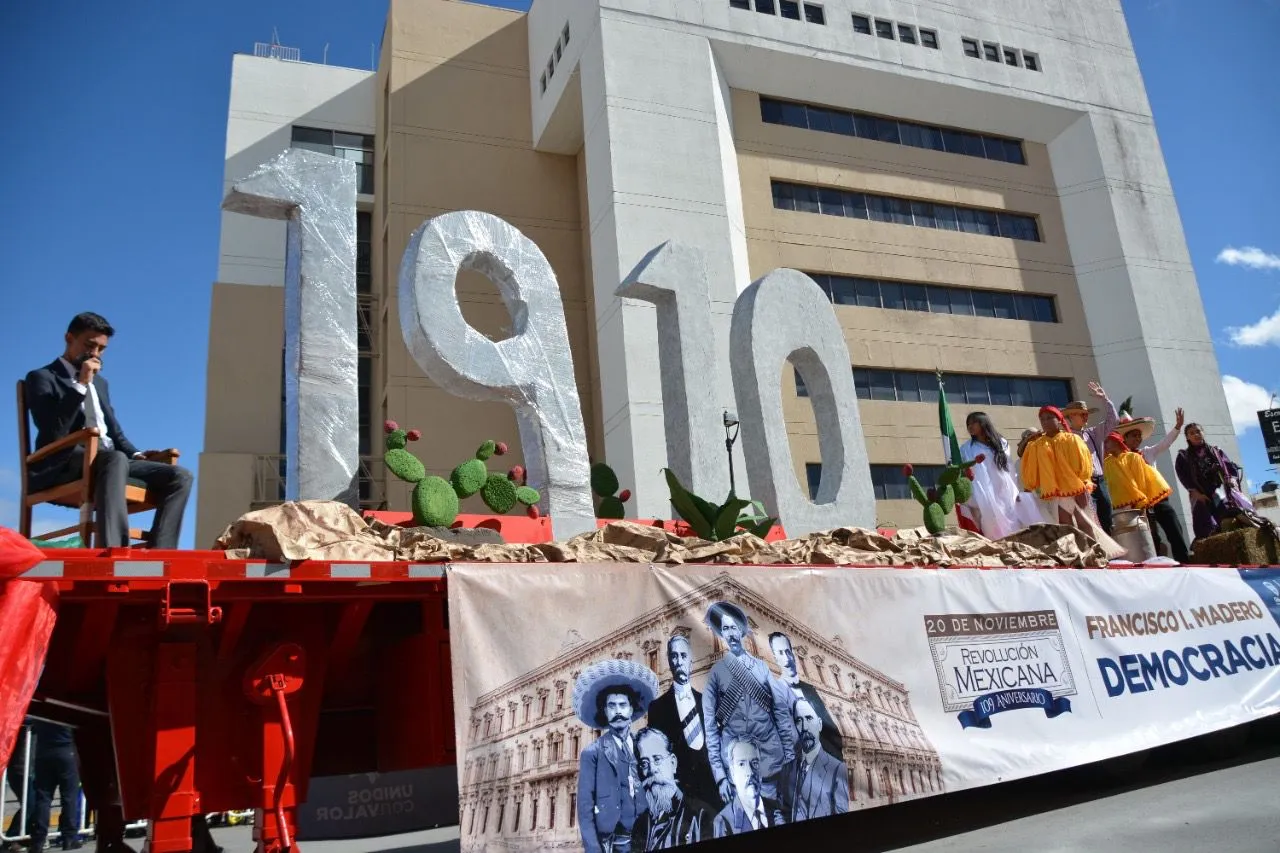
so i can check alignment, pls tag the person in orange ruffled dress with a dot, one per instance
(1058, 468)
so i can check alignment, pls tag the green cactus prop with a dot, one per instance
(715, 522)
(955, 486)
(604, 483)
(436, 501)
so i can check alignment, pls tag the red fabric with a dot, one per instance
(967, 523)
(28, 610)
(1057, 414)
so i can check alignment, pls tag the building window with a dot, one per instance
(515, 817)
(813, 474)
(814, 14)
(1010, 57)
(970, 47)
(551, 69)
(929, 38)
(1030, 61)
(543, 82)
(906, 34)
(901, 211)
(862, 24)
(566, 34)
(533, 814)
(356, 147)
(527, 705)
(559, 51)
(484, 824)
(559, 698)
(740, 4)
(974, 389)
(882, 129)
(573, 808)
(513, 716)
(542, 705)
(764, 6)
(884, 29)
(789, 9)
(991, 52)
(936, 299)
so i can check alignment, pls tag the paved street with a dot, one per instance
(1182, 801)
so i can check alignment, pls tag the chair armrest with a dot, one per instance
(78, 437)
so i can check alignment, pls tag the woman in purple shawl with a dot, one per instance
(1213, 481)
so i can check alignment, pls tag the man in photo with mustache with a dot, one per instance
(744, 700)
(678, 714)
(673, 819)
(608, 696)
(815, 784)
(785, 657)
(748, 809)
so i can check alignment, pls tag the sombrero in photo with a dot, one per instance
(612, 676)
(719, 610)
(1146, 426)
(1079, 407)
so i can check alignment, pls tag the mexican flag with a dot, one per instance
(950, 444)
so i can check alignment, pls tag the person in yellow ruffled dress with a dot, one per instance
(1058, 468)
(1132, 482)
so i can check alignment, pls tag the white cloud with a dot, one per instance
(1265, 332)
(1245, 400)
(1249, 256)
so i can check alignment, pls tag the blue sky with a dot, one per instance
(113, 178)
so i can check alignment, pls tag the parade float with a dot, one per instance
(347, 675)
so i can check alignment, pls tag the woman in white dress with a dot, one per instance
(998, 507)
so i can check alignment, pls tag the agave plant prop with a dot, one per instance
(716, 522)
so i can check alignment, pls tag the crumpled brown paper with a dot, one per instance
(322, 530)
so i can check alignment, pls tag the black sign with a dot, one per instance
(367, 804)
(1270, 423)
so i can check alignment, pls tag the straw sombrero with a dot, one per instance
(1127, 424)
(1078, 406)
(723, 608)
(609, 676)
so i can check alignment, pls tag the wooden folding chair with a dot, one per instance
(73, 495)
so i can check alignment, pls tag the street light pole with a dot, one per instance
(730, 423)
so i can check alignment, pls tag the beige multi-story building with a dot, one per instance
(978, 190)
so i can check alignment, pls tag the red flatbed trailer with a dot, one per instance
(200, 684)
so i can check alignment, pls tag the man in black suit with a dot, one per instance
(70, 394)
(815, 784)
(748, 809)
(780, 645)
(678, 714)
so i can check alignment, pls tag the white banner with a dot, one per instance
(713, 700)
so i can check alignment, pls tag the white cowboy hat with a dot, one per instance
(612, 676)
(1128, 424)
